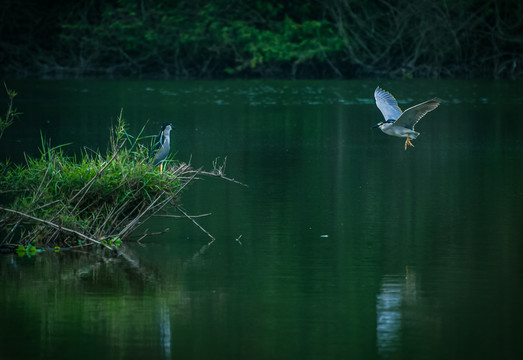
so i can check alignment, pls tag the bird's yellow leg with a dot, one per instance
(408, 143)
(161, 164)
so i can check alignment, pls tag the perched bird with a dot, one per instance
(398, 123)
(162, 145)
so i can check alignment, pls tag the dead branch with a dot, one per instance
(196, 223)
(183, 217)
(56, 226)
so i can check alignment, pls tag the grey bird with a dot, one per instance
(162, 146)
(401, 123)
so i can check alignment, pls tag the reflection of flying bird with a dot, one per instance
(162, 146)
(398, 123)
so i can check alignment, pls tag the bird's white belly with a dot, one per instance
(400, 132)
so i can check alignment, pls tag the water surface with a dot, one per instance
(350, 246)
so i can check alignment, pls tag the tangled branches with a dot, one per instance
(431, 38)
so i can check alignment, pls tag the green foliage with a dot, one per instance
(95, 195)
(29, 250)
(56, 175)
(188, 38)
(286, 42)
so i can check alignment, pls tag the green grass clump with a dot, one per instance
(58, 200)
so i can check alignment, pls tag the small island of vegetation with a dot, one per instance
(56, 201)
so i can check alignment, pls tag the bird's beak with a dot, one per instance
(377, 125)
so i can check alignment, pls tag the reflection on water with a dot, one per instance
(388, 314)
(88, 300)
(397, 296)
(165, 330)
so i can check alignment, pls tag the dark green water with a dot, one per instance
(350, 246)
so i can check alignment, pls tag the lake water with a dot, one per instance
(343, 245)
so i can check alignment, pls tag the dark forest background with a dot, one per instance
(241, 38)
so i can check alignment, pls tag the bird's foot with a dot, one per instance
(408, 143)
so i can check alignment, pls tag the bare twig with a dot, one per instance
(196, 223)
(180, 217)
(146, 233)
(238, 239)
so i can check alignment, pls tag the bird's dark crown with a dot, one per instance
(390, 121)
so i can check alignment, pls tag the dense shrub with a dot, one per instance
(220, 38)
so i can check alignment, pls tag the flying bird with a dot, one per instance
(401, 123)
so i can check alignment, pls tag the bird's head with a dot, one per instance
(381, 123)
(165, 125)
(166, 128)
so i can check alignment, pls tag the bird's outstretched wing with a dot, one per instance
(412, 115)
(387, 104)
